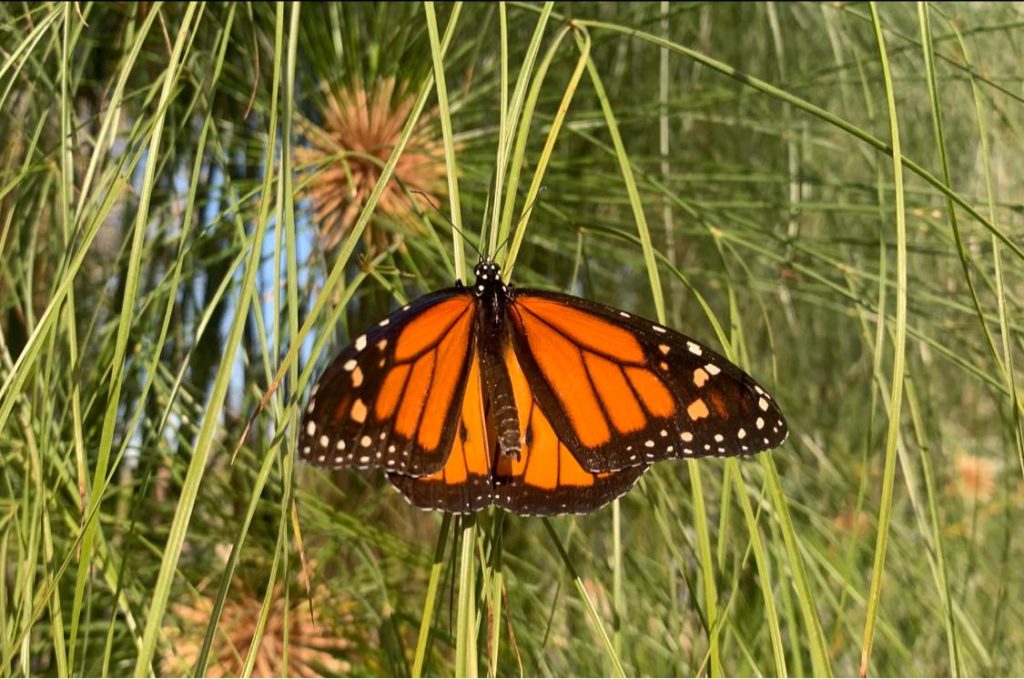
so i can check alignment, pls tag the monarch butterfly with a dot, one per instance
(538, 402)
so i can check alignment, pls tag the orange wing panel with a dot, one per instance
(562, 364)
(463, 484)
(444, 380)
(653, 392)
(547, 478)
(541, 454)
(661, 394)
(616, 395)
(570, 473)
(427, 329)
(391, 391)
(588, 330)
(472, 442)
(391, 399)
(415, 393)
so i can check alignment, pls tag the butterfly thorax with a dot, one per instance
(493, 297)
(493, 343)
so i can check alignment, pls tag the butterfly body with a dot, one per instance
(537, 402)
(492, 343)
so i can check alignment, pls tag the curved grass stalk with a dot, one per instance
(818, 112)
(510, 126)
(132, 280)
(899, 357)
(549, 143)
(581, 589)
(466, 619)
(939, 567)
(427, 618)
(445, 114)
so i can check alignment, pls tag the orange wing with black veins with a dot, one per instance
(621, 391)
(546, 478)
(391, 398)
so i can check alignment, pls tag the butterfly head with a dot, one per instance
(488, 277)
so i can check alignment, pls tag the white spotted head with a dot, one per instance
(487, 270)
(488, 278)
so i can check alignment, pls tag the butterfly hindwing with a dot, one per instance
(545, 479)
(621, 391)
(390, 399)
(463, 485)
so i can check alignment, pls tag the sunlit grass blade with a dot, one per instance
(510, 129)
(549, 143)
(581, 590)
(131, 291)
(466, 619)
(446, 129)
(899, 357)
(427, 616)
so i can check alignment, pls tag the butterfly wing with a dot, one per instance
(620, 390)
(545, 479)
(391, 398)
(463, 485)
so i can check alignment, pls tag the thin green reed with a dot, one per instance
(899, 357)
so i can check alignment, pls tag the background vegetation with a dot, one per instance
(192, 218)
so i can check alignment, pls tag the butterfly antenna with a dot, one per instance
(465, 236)
(484, 230)
(489, 234)
(522, 220)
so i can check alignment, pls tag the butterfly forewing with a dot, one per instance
(391, 398)
(621, 391)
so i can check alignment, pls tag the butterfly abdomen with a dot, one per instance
(493, 342)
(506, 423)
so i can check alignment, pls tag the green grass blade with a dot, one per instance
(952, 644)
(196, 468)
(445, 114)
(821, 113)
(509, 126)
(429, 602)
(465, 625)
(549, 143)
(763, 571)
(899, 353)
(581, 589)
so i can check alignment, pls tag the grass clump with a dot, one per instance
(194, 216)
